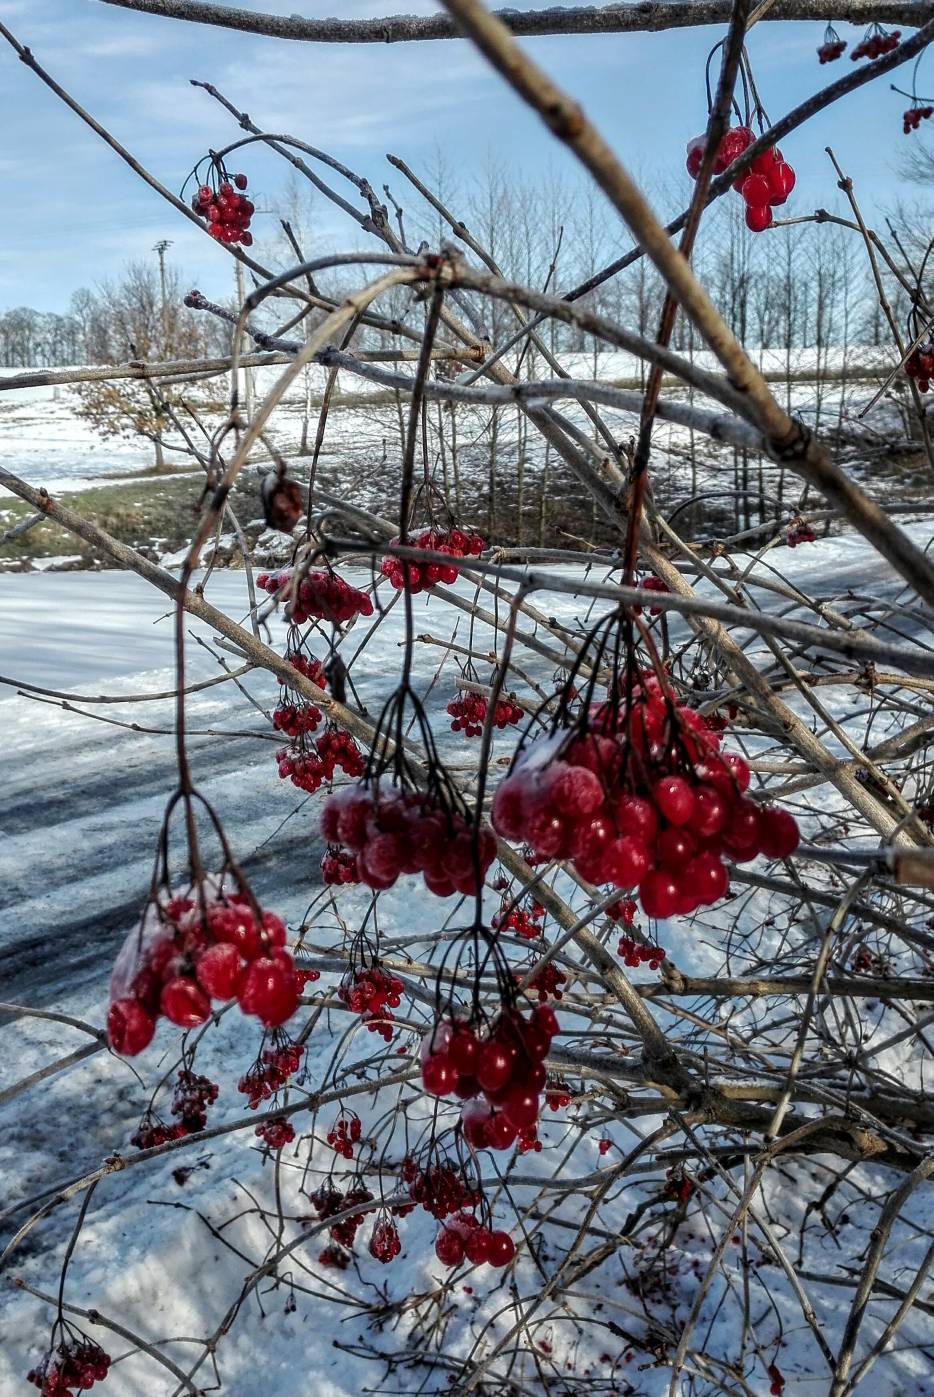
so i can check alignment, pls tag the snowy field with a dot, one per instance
(43, 440)
(164, 1251)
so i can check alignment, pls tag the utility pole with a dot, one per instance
(247, 373)
(160, 249)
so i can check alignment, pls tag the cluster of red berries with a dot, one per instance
(327, 1201)
(152, 1132)
(394, 832)
(499, 1077)
(462, 1236)
(191, 1098)
(767, 182)
(527, 1141)
(776, 1379)
(227, 212)
(344, 1134)
(557, 1096)
(439, 1189)
(634, 954)
(831, 49)
(186, 953)
(308, 665)
(338, 866)
(547, 981)
(920, 365)
(913, 117)
(321, 594)
(651, 584)
(308, 767)
(643, 799)
(623, 910)
(525, 922)
(876, 42)
(678, 1185)
(76, 1365)
(802, 534)
(295, 719)
(385, 1245)
(271, 1070)
(469, 713)
(305, 975)
(373, 994)
(276, 1133)
(454, 542)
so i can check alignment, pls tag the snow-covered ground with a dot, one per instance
(43, 440)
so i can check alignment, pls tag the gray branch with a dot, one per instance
(576, 19)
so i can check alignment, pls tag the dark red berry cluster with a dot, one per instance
(327, 1201)
(152, 1132)
(679, 1186)
(187, 952)
(470, 710)
(308, 665)
(309, 765)
(271, 1070)
(831, 50)
(344, 1134)
(802, 534)
(651, 584)
(373, 994)
(557, 1095)
(920, 366)
(439, 1188)
(74, 1366)
(191, 1098)
(549, 981)
(320, 594)
(334, 1257)
(226, 212)
(623, 910)
(527, 1141)
(876, 42)
(384, 1240)
(913, 117)
(394, 832)
(505, 1073)
(296, 719)
(776, 1379)
(463, 1237)
(524, 921)
(635, 954)
(643, 799)
(305, 976)
(276, 1133)
(767, 182)
(338, 866)
(454, 542)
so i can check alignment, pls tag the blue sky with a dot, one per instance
(74, 213)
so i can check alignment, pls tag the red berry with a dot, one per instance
(269, 990)
(500, 1249)
(658, 894)
(219, 970)
(757, 189)
(129, 1028)
(758, 217)
(778, 833)
(184, 1003)
(675, 799)
(449, 1247)
(781, 181)
(494, 1064)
